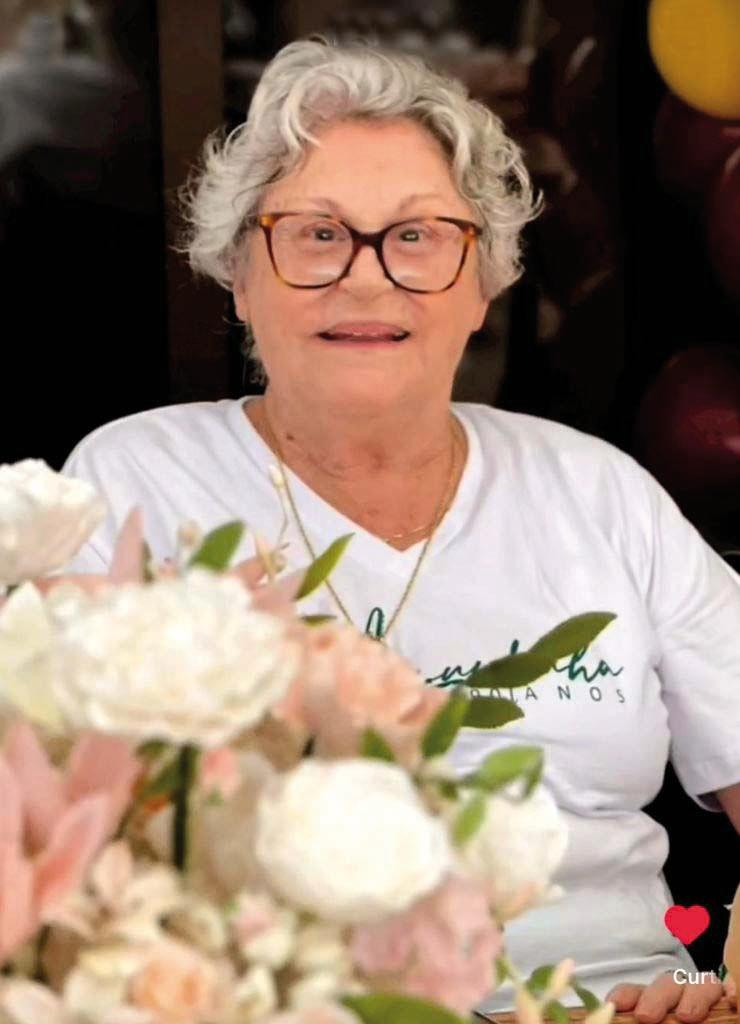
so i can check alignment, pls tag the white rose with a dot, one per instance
(45, 518)
(516, 850)
(185, 660)
(27, 631)
(349, 840)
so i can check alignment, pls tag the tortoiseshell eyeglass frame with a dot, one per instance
(374, 239)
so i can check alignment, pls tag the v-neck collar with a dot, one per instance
(323, 523)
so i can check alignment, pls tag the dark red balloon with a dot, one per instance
(723, 226)
(687, 431)
(690, 147)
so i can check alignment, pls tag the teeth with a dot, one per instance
(371, 337)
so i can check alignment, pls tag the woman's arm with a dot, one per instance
(729, 797)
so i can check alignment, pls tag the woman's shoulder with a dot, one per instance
(167, 424)
(536, 436)
(163, 440)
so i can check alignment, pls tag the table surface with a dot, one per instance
(721, 1013)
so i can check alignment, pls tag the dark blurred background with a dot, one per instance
(625, 324)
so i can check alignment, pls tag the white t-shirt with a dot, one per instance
(548, 522)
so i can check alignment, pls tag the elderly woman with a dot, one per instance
(364, 216)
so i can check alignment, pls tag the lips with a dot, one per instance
(365, 330)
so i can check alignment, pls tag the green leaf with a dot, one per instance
(444, 727)
(556, 1012)
(385, 1008)
(374, 745)
(539, 978)
(218, 547)
(572, 635)
(164, 782)
(469, 819)
(491, 712)
(317, 620)
(504, 766)
(588, 999)
(448, 789)
(512, 671)
(151, 749)
(502, 971)
(318, 571)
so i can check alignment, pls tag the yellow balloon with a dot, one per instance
(696, 47)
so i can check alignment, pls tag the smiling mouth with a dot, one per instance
(340, 336)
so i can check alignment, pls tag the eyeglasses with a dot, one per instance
(309, 250)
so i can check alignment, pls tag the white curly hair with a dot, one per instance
(314, 82)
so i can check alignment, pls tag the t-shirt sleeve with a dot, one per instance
(693, 599)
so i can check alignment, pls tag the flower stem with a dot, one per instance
(187, 766)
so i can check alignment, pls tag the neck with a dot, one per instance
(395, 443)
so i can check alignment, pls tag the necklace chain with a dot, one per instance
(441, 509)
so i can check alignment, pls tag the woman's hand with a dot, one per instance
(651, 1003)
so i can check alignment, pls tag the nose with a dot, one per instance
(366, 273)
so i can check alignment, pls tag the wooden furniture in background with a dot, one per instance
(191, 103)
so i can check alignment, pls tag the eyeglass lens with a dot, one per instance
(313, 250)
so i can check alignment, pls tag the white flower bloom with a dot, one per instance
(319, 987)
(26, 634)
(199, 922)
(45, 518)
(349, 840)
(185, 660)
(255, 995)
(516, 850)
(265, 932)
(123, 901)
(28, 1002)
(321, 946)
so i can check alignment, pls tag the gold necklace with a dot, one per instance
(441, 509)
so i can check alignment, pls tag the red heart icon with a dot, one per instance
(686, 923)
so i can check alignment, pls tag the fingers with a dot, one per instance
(650, 1004)
(697, 1000)
(625, 996)
(731, 991)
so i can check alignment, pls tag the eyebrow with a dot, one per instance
(336, 207)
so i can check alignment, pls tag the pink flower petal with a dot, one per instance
(17, 918)
(249, 572)
(278, 597)
(128, 555)
(41, 785)
(11, 806)
(103, 764)
(76, 839)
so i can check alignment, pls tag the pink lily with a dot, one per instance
(52, 824)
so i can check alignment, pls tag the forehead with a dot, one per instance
(371, 166)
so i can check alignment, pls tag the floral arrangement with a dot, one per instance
(214, 810)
